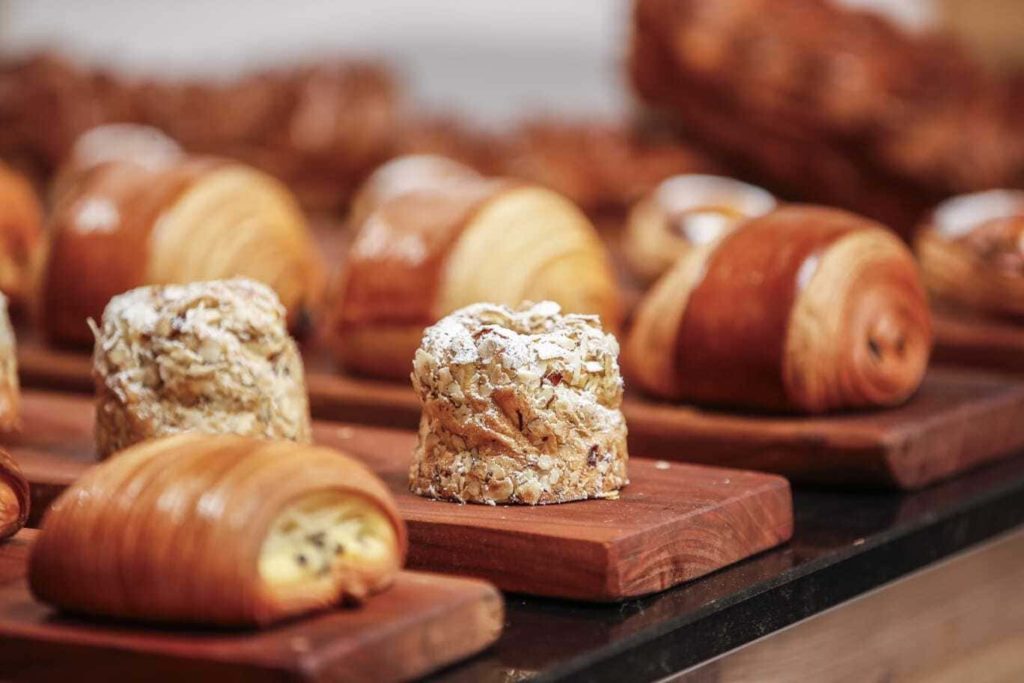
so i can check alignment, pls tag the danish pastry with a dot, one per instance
(217, 529)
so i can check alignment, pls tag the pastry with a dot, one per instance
(210, 357)
(971, 251)
(410, 173)
(685, 211)
(827, 103)
(21, 236)
(124, 226)
(10, 392)
(14, 497)
(519, 406)
(805, 309)
(143, 145)
(217, 529)
(426, 254)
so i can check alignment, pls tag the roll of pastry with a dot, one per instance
(14, 496)
(971, 251)
(21, 236)
(221, 530)
(426, 254)
(805, 309)
(123, 226)
(685, 211)
(405, 174)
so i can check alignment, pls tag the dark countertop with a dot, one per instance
(844, 544)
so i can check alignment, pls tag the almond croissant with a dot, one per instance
(222, 530)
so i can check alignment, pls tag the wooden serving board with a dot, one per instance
(978, 342)
(421, 624)
(673, 523)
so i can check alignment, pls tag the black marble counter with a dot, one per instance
(844, 544)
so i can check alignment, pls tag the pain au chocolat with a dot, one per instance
(21, 236)
(426, 254)
(220, 530)
(805, 309)
(971, 251)
(212, 357)
(14, 496)
(685, 211)
(123, 225)
(519, 406)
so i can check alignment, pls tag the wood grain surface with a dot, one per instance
(422, 623)
(991, 343)
(673, 523)
(958, 420)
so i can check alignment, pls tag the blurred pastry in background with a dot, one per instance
(210, 357)
(21, 237)
(821, 102)
(971, 251)
(683, 212)
(14, 496)
(123, 226)
(519, 406)
(410, 173)
(601, 166)
(425, 254)
(219, 530)
(805, 309)
(10, 388)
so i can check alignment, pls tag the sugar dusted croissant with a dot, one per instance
(122, 226)
(410, 173)
(685, 211)
(426, 254)
(971, 251)
(14, 497)
(805, 309)
(21, 236)
(219, 530)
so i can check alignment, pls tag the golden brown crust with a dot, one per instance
(172, 530)
(971, 251)
(425, 254)
(216, 219)
(21, 236)
(805, 309)
(14, 496)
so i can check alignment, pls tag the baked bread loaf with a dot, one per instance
(21, 236)
(123, 226)
(210, 357)
(402, 175)
(682, 212)
(217, 529)
(14, 496)
(519, 406)
(426, 254)
(971, 251)
(10, 391)
(805, 309)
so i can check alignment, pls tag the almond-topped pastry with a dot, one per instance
(218, 529)
(971, 251)
(14, 497)
(210, 356)
(519, 406)
(683, 212)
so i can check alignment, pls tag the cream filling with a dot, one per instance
(323, 535)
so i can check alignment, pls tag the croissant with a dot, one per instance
(409, 173)
(14, 497)
(805, 309)
(222, 530)
(426, 254)
(684, 211)
(124, 226)
(21, 236)
(971, 251)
